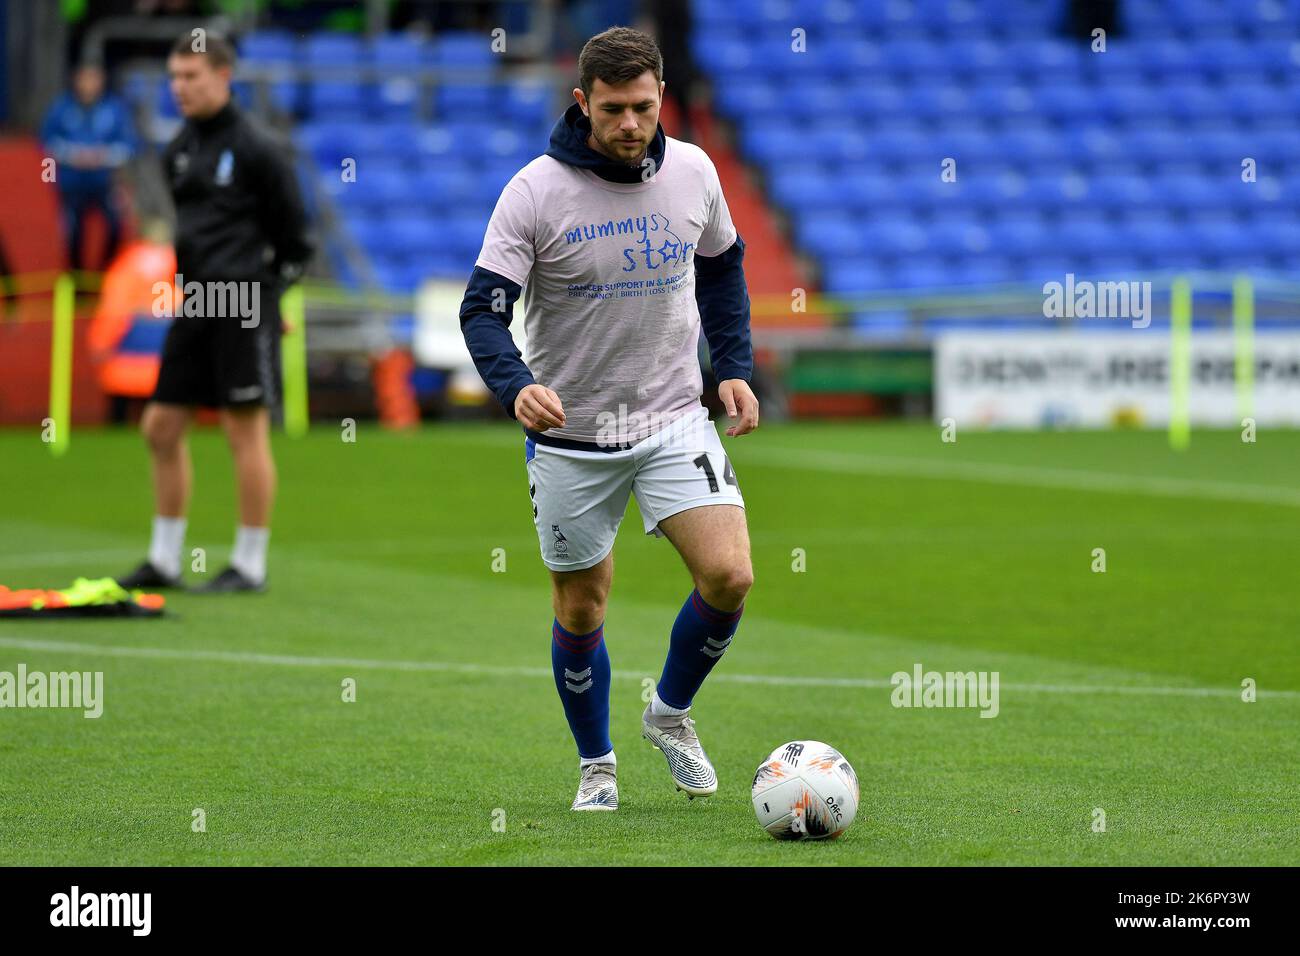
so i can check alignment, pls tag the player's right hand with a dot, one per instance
(539, 408)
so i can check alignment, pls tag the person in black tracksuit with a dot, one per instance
(241, 239)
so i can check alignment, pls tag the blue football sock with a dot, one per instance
(701, 634)
(581, 665)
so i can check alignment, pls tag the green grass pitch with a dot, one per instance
(1119, 690)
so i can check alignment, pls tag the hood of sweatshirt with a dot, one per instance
(569, 145)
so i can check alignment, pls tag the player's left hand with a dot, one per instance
(737, 397)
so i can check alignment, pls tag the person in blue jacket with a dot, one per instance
(88, 133)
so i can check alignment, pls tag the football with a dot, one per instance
(805, 790)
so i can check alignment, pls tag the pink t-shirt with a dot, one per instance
(609, 286)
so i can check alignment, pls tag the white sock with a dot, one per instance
(249, 556)
(608, 758)
(166, 543)
(660, 709)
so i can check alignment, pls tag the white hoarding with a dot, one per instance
(1096, 379)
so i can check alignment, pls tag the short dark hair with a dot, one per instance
(215, 47)
(616, 56)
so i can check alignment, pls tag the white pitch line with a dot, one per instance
(759, 452)
(1026, 475)
(35, 559)
(860, 683)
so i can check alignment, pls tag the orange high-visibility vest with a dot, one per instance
(126, 299)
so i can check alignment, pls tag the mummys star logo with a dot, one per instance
(653, 244)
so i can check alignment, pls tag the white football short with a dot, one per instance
(579, 497)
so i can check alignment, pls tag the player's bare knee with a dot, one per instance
(244, 430)
(726, 585)
(580, 605)
(162, 434)
(248, 448)
(580, 616)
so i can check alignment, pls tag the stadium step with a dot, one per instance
(772, 270)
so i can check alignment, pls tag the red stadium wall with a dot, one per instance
(29, 210)
(33, 242)
(25, 371)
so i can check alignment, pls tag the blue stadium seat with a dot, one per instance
(977, 57)
(805, 187)
(165, 102)
(442, 187)
(395, 275)
(1032, 145)
(400, 51)
(885, 100)
(1066, 102)
(333, 49)
(269, 47)
(710, 12)
(1223, 239)
(1019, 237)
(722, 56)
(335, 100)
(1002, 98)
(387, 186)
(1082, 237)
(1188, 101)
(772, 142)
(529, 102)
(895, 146)
(1039, 57)
(1121, 191)
(1188, 191)
(1277, 238)
(437, 143)
(1213, 148)
(1256, 100)
(833, 234)
(921, 273)
(743, 101)
(1157, 238)
(1133, 103)
(462, 233)
(372, 235)
(868, 191)
(882, 325)
(976, 270)
(1222, 55)
(917, 58)
(467, 98)
(842, 276)
(960, 238)
(895, 237)
(468, 49)
(327, 141)
(1168, 58)
(778, 12)
(398, 97)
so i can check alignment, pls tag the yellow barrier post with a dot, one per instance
(293, 359)
(1180, 363)
(64, 305)
(1243, 327)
